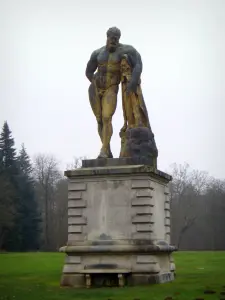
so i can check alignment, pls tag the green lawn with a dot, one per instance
(36, 276)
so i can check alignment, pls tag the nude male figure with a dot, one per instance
(105, 82)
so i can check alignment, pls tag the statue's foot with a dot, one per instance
(103, 154)
(110, 153)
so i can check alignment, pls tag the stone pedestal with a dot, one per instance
(118, 225)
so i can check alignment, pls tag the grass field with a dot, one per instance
(36, 276)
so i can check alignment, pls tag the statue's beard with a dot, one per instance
(112, 48)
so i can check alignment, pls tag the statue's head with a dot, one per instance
(113, 37)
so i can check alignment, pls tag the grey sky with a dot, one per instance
(46, 44)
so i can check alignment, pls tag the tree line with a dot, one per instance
(33, 203)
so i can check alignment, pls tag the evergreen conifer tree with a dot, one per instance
(7, 150)
(29, 219)
(8, 187)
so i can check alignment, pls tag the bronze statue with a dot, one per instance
(105, 82)
(117, 63)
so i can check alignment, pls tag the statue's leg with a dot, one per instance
(109, 102)
(95, 102)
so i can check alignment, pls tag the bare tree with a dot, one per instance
(215, 217)
(47, 174)
(52, 194)
(187, 188)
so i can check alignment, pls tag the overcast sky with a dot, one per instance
(45, 45)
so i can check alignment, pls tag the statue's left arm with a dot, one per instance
(136, 62)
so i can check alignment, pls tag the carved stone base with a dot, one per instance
(82, 281)
(138, 268)
(117, 162)
(118, 227)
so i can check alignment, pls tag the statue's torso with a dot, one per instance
(109, 69)
(108, 72)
